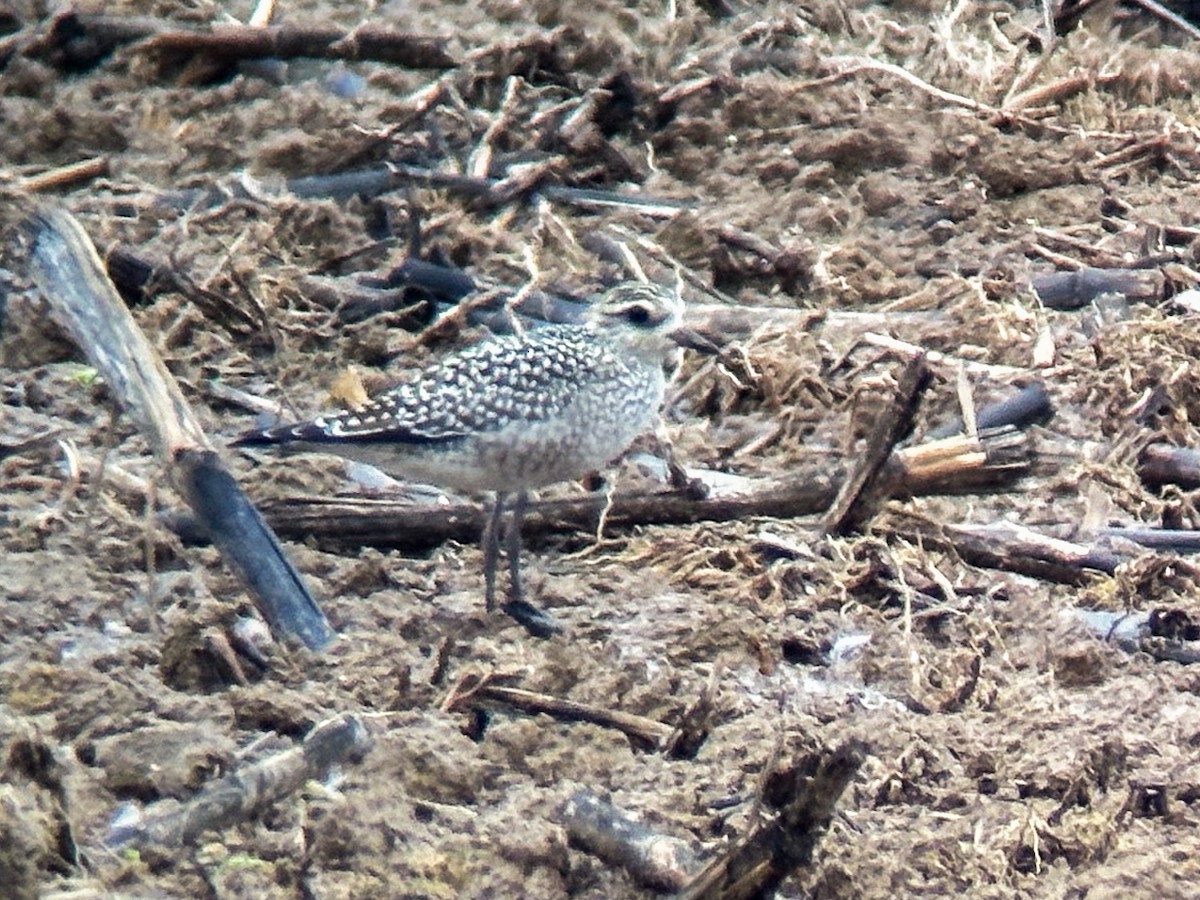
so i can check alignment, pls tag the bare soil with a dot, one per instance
(1067, 768)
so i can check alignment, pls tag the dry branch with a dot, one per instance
(1072, 290)
(80, 40)
(389, 523)
(645, 733)
(66, 176)
(857, 497)
(804, 795)
(959, 464)
(1056, 91)
(1164, 464)
(71, 277)
(852, 65)
(653, 860)
(1014, 548)
(241, 795)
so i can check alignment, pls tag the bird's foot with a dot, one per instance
(537, 622)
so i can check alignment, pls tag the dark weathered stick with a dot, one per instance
(1156, 8)
(1030, 405)
(79, 39)
(1072, 290)
(856, 498)
(1164, 464)
(140, 277)
(71, 277)
(241, 795)
(653, 860)
(1017, 549)
(379, 180)
(387, 523)
(1165, 539)
(249, 547)
(805, 795)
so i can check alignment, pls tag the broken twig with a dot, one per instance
(804, 795)
(66, 176)
(1073, 290)
(653, 860)
(71, 277)
(79, 40)
(1164, 464)
(243, 794)
(857, 497)
(646, 733)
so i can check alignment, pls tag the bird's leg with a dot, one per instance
(512, 547)
(677, 475)
(536, 621)
(491, 550)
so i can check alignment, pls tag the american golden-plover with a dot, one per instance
(516, 413)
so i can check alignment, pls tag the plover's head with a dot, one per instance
(645, 320)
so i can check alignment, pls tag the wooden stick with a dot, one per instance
(1015, 548)
(67, 176)
(243, 794)
(1164, 464)
(80, 39)
(381, 179)
(805, 795)
(1072, 290)
(645, 733)
(960, 463)
(1056, 91)
(857, 498)
(139, 276)
(388, 523)
(1173, 18)
(653, 860)
(1170, 540)
(71, 277)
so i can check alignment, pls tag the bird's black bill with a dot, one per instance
(694, 340)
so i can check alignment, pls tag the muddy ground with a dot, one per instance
(815, 180)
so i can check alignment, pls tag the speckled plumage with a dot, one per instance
(514, 412)
(517, 412)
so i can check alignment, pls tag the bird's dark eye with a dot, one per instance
(638, 315)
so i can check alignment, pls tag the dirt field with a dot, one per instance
(897, 169)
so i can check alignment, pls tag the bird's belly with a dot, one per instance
(527, 455)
